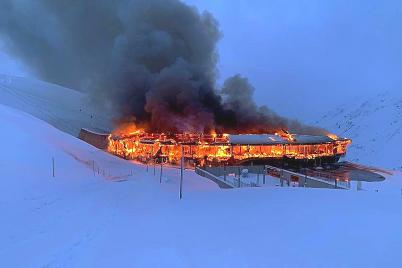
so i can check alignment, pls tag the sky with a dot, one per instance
(304, 57)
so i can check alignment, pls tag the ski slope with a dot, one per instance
(374, 123)
(64, 108)
(123, 217)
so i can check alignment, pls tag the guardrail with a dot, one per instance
(221, 183)
(307, 180)
(303, 180)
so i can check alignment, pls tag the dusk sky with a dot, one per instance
(298, 50)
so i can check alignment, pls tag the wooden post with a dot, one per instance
(53, 167)
(181, 172)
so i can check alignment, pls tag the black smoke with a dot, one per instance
(151, 61)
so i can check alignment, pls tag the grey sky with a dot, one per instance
(299, 50)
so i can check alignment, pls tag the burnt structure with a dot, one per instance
(226, 149)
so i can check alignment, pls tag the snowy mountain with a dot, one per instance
(374, 124)
(64, 108)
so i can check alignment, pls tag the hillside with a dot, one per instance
(374, 124)
(121, 216)
(64, 108)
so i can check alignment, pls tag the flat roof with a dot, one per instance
(267, 139)
(254, 139)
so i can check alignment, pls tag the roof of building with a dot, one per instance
(267, 139)
(255, 139)
(311, 139)
(96, 131)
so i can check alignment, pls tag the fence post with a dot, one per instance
(53, 167)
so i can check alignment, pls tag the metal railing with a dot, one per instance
(283, 175)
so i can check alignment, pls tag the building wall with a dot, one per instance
(96, 139)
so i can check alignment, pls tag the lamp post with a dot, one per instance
(181, 171)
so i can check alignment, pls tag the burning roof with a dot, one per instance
(270, 139)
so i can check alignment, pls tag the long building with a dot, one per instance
(201, 149)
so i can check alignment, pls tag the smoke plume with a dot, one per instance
(151, 61)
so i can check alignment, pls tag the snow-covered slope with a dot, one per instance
(123, 217)
(64, 108)
(374, 124)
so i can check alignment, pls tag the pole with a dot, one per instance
(263, 175)
(53, 166)
(181, 172)
(224, 173)
(154, 166)
(160, 177)
(239, 177)
(93, 166)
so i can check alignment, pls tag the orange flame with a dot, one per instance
(131, 142)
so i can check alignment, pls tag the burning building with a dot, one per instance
(154, 64)
(227, 149)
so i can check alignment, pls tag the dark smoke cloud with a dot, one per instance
(151, 61)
